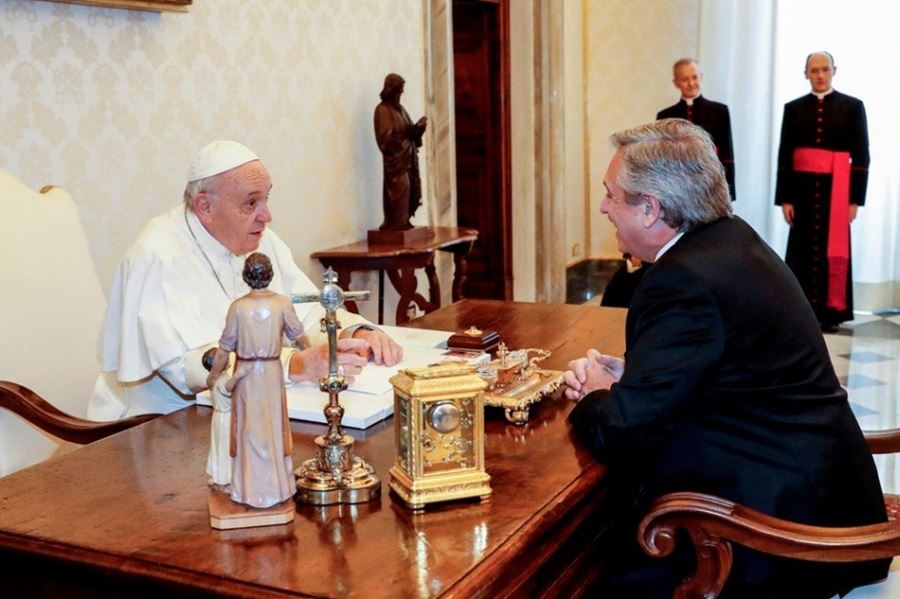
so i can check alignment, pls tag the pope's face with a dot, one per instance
(627, 218)
(687, 80)
(239, 208)
(819, 71)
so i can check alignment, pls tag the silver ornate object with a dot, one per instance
(335, 475)
(515, 382)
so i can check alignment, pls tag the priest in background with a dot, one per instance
(823, 171)
(172, 291)
(712, 116)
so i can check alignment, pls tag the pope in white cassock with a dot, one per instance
(172, 291)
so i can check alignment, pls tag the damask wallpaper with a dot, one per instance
(112, 104)
(630, 49)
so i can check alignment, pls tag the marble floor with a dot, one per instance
(866, 357)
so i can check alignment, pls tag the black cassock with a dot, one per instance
(715, 120)
(837, 123)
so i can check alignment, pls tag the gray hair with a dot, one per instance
(824, 53)
(683, 62)
(675, 162)
(195, 187)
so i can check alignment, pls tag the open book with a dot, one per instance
(370, 397)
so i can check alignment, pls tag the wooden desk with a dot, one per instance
(400, 262)
(127, 516)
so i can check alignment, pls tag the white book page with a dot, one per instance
(369, 398)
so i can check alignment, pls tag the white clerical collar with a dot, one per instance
(823, 94)
(668, 245)
(690, 101)
(208, 244)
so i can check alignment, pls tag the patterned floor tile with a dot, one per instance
(866, 357)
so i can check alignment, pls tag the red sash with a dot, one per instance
(837, 164)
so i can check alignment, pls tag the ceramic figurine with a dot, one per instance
(260, 441)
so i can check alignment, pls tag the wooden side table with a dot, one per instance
(400, 262)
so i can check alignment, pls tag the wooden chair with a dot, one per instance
(50, 318)
(714, 523)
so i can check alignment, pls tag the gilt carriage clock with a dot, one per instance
(439, 435)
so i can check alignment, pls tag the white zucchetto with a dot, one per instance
(217, 157)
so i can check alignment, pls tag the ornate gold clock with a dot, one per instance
(439, 435)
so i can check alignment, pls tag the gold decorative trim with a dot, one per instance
(433, 383)
(517, 398)
(148, 5)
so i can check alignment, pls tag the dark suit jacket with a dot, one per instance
(715, 120)
(728, 389)
(621, 286)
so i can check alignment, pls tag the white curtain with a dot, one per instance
(753, 53)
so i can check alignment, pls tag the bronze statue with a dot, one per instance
(399, 140)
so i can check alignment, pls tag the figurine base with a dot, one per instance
(225, 514)
(446, 487)
(351, 481)
(402, 237)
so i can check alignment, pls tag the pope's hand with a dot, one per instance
(595, 371)
(384, 350)
(312, 364)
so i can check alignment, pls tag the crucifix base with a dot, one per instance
(335, 475)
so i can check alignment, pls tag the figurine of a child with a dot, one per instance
(218, 463)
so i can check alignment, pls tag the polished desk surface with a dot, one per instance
(443, 236)
(131, 510)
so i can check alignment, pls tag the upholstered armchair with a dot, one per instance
(713, 524)
(50, 315)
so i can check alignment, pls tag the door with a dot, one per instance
(481, 77)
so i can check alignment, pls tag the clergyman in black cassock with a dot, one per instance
(823, 120)
(726, 387)
(712, 116)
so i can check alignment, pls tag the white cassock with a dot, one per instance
(167, 306)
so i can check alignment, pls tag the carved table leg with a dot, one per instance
(434, 286)
(404, 281)
(459, 269)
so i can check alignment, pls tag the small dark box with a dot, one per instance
(475, 338)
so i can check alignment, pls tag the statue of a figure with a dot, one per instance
(262, 468)
(399, 140)
(218, 462)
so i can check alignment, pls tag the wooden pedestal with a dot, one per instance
(224, 514)
(379, 237)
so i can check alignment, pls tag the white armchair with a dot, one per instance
(50, 315)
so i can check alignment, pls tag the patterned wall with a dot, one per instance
(630, 49)
(111, 104)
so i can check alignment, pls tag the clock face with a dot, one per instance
(444, 416)
(448, 436)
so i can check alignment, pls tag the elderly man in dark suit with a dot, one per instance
(726, 387)
(712, 116)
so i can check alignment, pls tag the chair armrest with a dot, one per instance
(884, 441)
(713, 523)
(30, 406)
